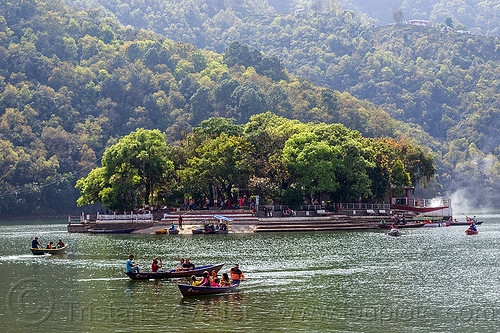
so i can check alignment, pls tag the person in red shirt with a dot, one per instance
(155, 266)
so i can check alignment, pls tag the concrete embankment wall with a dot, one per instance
(262, 224)
(109, 225)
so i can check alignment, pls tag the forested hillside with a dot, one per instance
(73, 83)
(477, 16)
(443, 80)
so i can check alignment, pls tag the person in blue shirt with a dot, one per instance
(35, 243)
(131, 266)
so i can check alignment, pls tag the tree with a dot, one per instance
(397, 15)
(221, 162)
(133, 171)
(449, 22)
(399, 177)
(201, 107)
(312, 164)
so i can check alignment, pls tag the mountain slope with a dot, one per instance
(72, 83)
(443, 80)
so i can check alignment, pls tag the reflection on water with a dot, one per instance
(433, 279)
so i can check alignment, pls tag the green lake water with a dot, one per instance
(428, 280)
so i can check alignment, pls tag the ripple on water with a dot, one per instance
(340, 281)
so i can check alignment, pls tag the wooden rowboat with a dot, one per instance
(37, 252)
(408, 225)
(198, 271)
(189, 290)
(464, 223)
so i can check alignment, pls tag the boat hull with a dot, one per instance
(409, 225)
(464, 223)
(471, 232)
(173, 274)
(394, 233)
(435, 225)
(111, 231)
(38, 252)
(189, 290)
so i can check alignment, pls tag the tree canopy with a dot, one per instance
(220, 159)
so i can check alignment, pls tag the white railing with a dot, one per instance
(129, 217)
(424, 203)
(311, 207)
(363, 206)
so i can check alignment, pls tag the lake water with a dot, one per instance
(430, 279)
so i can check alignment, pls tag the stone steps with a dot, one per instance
(328, 223)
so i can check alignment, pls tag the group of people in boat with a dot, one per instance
(471, 219)
(213, 280)
(132, 267)
(214, 227)
(35, 244)
(184, 265)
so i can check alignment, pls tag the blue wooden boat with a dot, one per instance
(464, 223)
(111, 231)
(189, 290)
(198, 271)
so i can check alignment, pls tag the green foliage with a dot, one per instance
(133, 172)
(312, 163)
(74, 83)
(220, 160)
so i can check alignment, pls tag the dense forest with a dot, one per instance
(442, 80)
(478, 16)
(73, 83)
(281, 160)
(437, 77)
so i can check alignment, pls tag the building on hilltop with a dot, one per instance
(299, 12)
(422, 23)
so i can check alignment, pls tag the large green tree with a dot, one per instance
(311, 163)
(132, 172)
(220, 162)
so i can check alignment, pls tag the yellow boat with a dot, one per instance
(37, 251)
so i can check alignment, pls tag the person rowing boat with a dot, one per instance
(131, 266)
(35, 243)
(237, 274)
(155, 266)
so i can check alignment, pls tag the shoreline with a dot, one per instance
(254, 225)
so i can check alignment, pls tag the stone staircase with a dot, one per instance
(314, 224)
